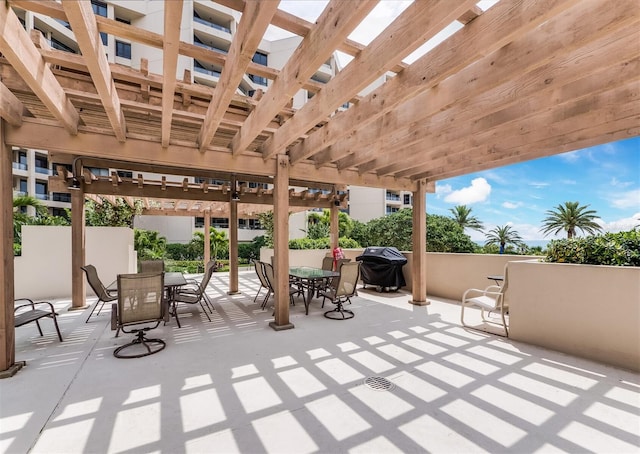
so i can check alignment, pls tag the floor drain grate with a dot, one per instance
(378, 383)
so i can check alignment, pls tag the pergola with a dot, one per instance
(522, 80)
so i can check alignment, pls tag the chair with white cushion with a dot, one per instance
(492, 304)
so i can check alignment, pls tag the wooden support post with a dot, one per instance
(281, 243)
(207, 237)
(419, 263)
(233, 245)
(333, 226)
(78, 292)
(8, 366)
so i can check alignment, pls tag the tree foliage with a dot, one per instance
(443, 233)
(569, 217)
(620, 249)
(108, 215)
(218, 242)
(149, 245)
(462, 216)
(503, 235)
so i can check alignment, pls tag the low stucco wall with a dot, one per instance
(308, 257)
(44, 268)
(449, 275)
(585, 310)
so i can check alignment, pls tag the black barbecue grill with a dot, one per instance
(382, 267)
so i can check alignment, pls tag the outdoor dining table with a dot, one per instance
(311, 279)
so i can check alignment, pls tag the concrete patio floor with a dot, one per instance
(235, 385)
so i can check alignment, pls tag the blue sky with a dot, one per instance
(605, 177)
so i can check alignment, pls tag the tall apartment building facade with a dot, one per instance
(204, 24)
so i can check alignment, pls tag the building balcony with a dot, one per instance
(19, 166)
(211, 24)
(44, 170)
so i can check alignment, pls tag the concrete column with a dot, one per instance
(281, 243)
(7, 330)
(233, 246)
(78, 291)
(419, 270)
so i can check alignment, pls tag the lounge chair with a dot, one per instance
(195, 293)
(491, 299)
(33, 312)
(104, 295)
(341, 290)
(140, 302)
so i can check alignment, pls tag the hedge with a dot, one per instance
(619, 249)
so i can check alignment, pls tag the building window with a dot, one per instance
(125, 174)
(391, 210)
(407, 199)
(100, 9)
(23, 187)
(61, 212)
(123, 49)
(99, 172)
(60, 46)
(61, 197)
(260, 58)
(258, 80)
(41, 191)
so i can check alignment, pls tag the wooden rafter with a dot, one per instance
(170, 46)
(10, 107)
(498, 26)
(417, 24)
(255, 19)
(25, 58)
(334, 24)
(83, 21)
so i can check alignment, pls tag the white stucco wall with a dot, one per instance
(44, 268)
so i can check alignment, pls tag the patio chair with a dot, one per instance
(104, 295)
(33, 312)
(263, 280)
(140, 302)
(151, 266)
(491, 299)
(270, 278)
(341, 290)
(196, 293)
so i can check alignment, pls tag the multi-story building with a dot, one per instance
(208, 25)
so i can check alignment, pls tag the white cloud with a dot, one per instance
(442, 189)
(511, 205)
(478, 192)
(571, 156)
(620, 184)
(539, 184)
(620, 225)
(629, 199)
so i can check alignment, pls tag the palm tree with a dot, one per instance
(503, 235)
(462, 216)
(217, 241)
(20, 218)
(569, 217)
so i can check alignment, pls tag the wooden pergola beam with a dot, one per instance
(170, 48)
(414, 26)
(11, 108)
(254, 22)
(83, 21)
(336, 22)
(501, 24)
(25, 58)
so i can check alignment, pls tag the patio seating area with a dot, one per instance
(396, 378)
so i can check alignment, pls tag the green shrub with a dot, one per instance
(620, 249)
(322, 243)
(184, 266)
